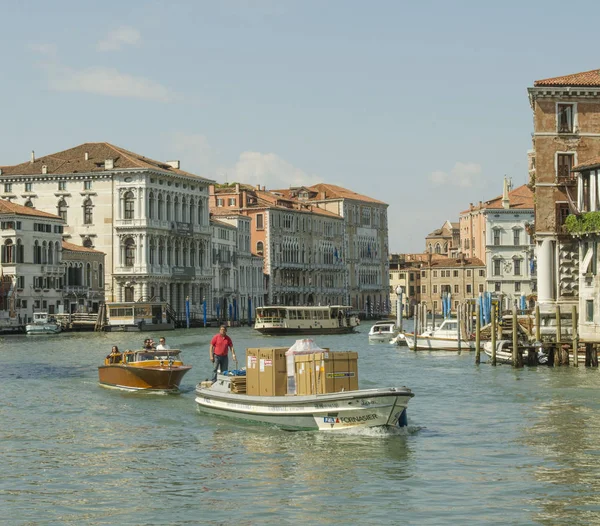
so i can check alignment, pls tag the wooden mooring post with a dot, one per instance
(458, 328)
(477, 331)
(516, 354)
(538, 328)
(575, 337)
(493, 334)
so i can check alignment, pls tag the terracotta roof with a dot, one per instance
(586, 78)
(73, 161)
(590, 163)
(6, 207)
(78, 248)
(456, 262)
(520, 198)
(337, 192)
(221, 223)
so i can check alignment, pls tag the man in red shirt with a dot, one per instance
(219, 349)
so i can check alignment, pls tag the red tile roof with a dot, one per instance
(78, 248)
(6, 207)
(73, 161)
(590, 163)
(456, 262)
(337, 192)
(586, 78)
(520, 198)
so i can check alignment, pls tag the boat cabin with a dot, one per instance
(137, 316)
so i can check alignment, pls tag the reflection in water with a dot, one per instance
(565, 434)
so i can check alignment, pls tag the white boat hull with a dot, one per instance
(49, 328)
(431, 343)
(326, 412)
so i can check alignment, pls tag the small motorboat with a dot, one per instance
(444, 338)
(504, 352)
(383, 331)
(42, 324)
(143, 370)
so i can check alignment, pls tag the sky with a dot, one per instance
(422, 105)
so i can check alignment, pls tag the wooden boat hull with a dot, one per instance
(430, 343)
(304, 330)
(135, 378)
(325, 412)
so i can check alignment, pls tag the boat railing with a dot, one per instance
(270, 319)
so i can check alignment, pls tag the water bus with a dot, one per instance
(328, 319)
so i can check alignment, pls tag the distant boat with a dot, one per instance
(383, 331)
(42, 324)
(445, 338)
(300, 320)
(143, 370)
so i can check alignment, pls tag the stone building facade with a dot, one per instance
(566, 117)
(444, 241)
(150, 218)
(83, 289)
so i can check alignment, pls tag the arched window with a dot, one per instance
(438, 248)
(151, 205)
(176, 251)
(129, 252)
(193, 255)
(445, 248)
(160, 207)
(199, 212)
(88, 275)
(44, 253)
(192, 210)
(176, 210)
(8, 252)
(20, 252)
(152, 254)
(100, 276)
(87, 212)
(169, 254)
(260, 248)
(62, 210)
(161, 253)
(200, 254)
(129, 203)
(169, 216)
(37, 253)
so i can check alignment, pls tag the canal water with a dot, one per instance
(484, 445)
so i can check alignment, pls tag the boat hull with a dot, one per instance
(304, 330)
(135, 378)
(430, 343)
(43, 329)
(330, 412)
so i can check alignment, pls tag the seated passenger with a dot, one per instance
(114, 356)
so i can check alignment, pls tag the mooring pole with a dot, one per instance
(575, 337)
(538, 328)
(558, 350)
(459, 332)
(515, 334)
(477, 331)
(416, 325)
(493, 334)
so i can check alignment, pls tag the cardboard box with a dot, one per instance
(336, 371)
(252, 386)
(304, 374)
(272, 376)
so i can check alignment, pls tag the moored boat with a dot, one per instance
(42, 324)
(328, 319)
(383, 331)
(152, 370)
(444, 338)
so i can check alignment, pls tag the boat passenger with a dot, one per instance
(148, 344)
(162, 346)
(114, 356)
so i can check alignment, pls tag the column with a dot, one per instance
(145, 290)
(579, 192)
(545, 263)
(593, 190)
(144, 203)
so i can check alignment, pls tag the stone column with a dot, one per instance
(579, 192)
(545, 264)
(593, 190)
(145, 290)
(144, 203)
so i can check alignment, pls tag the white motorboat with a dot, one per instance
(42, 324)
(364, 408)
(398, 340)
(383, 331)
(504, 352)
(444, 338)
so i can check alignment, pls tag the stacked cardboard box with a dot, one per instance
(237, 384)
(326, 372)
(266, 372)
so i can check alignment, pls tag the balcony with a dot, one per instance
(75, 289)
(54, 270)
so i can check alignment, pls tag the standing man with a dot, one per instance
(162, 346)
(219, 349)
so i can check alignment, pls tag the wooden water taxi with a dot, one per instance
(143, 370)
(328, 319)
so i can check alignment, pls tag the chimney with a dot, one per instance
(109, 164)
(505, 200)
(86, 156)
(174, 164)
(32, 157)
(44, 169)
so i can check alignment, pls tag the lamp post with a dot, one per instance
(399, 307)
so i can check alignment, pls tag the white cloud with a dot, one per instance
(463, 174)
(105, 81)
(270, 170)
(124, 35)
